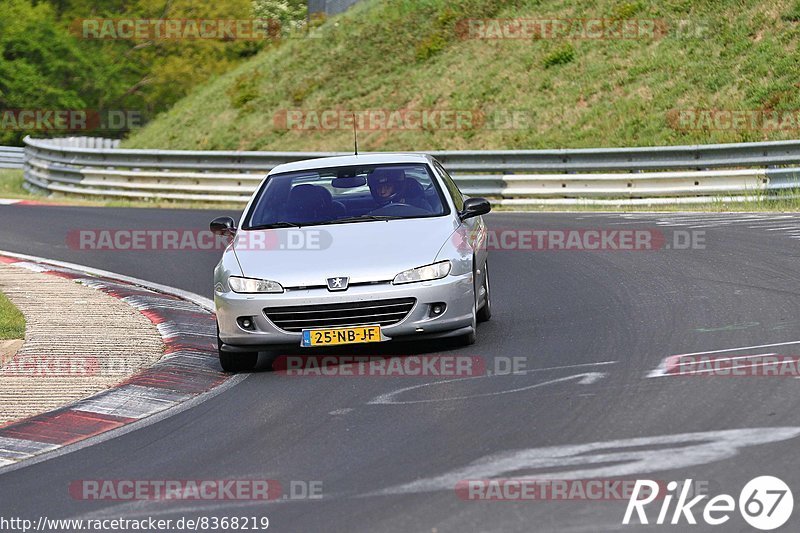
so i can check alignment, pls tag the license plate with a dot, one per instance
(336, 336)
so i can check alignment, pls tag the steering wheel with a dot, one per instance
(399, 209)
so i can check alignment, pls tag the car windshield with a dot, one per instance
(341, 195)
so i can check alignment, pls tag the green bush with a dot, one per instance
(244, 89)
(560, 56)
(793, 15)
(627, 10)
(286, 11)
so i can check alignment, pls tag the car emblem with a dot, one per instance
(338, 284)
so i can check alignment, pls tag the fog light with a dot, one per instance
(437, 309)
(246, 322)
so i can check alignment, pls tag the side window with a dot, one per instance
(452, 188)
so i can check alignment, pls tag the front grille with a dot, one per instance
(381, 312)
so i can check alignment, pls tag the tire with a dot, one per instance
(469, 339)
(236, 362)
(485, 312)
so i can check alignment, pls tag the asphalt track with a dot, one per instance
(591, 326)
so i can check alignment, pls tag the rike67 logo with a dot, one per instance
(766, 503)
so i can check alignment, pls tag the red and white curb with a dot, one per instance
(187, 374)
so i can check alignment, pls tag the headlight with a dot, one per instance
(252, 286)
(425, 273)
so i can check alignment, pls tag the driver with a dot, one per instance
(390, 186)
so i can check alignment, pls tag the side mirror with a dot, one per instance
(475, 207)
(223, 226)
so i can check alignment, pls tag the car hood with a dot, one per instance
(364, 251)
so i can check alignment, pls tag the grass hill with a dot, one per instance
(571, 91)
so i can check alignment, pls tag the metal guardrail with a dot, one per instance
(11, 157)
(96, 167)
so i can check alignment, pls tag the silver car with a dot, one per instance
(346, 250)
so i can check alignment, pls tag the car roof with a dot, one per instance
(351, 160)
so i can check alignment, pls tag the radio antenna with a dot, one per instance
(355, 133)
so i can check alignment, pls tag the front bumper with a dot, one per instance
(455, 291)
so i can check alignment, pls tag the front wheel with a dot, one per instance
(238, 362)
(235, 362)
(485, 312)
(469, 339)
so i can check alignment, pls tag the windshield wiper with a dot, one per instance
(346, 220)
(275, 225)
(363, 218)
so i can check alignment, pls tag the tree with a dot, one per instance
(46, 62)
